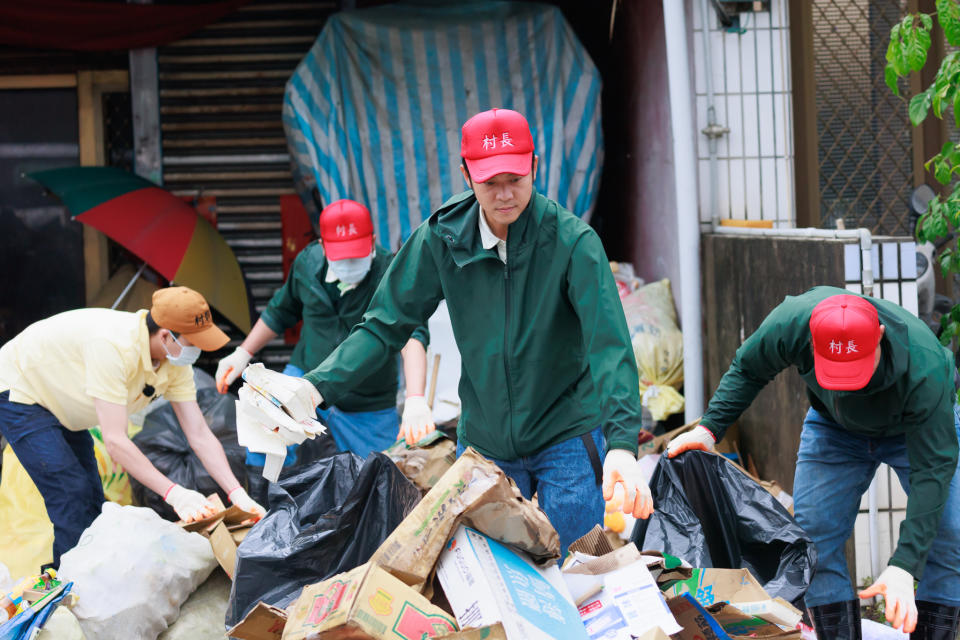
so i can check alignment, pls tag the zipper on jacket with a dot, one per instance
(506, 354)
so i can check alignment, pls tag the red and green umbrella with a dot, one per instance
(159, 228)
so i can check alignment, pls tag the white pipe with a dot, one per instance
(682, 127)
(711, 204)
(873, 523)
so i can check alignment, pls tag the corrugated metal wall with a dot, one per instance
(221, 91)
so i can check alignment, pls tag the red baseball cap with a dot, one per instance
(496, 141)
(845, 331)
(346, 230)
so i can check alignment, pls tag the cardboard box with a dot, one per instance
(616, 595)
(366, 602)
(490, 632)
(740, 588)
(596, 543)
(476, 490)
(487, 582)
(264, 622)
(721, 621)
(425, 462)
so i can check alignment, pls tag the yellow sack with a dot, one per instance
(657, 347)
(116, 482)
(26, 537)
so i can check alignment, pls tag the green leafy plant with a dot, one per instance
(910, 42)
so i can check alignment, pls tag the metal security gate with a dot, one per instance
(221, 91)
(858, 157)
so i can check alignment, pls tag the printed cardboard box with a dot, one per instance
(366, 602)
(616, 595)
(487, 582)
(490, 632)
(738, 587)
(264, 622)
(721, 622)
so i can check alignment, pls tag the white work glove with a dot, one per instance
(229, 368)
(896, 587)
(240, 498)
(417, 420)
(309, 396)
(620, 466)
(189, 505)
(697, 438)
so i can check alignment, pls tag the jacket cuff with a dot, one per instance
(623, 444)
(324, 390)
(716, 431)
(912, 569)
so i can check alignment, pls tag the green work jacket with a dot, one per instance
(328, 318)
(543, 341)
(911, 394)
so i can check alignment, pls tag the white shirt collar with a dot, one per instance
(489, 240)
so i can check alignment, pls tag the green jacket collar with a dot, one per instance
(456, 223)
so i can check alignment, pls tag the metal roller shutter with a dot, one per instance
(221, 91)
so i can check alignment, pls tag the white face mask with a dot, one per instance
(188, 354)
(351, 270)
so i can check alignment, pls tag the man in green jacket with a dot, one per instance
(882, 390)
(329, 287)
(548, 372)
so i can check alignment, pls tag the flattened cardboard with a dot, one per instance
(593, 543)
(365, 603)
(425, 462)
(264, 622)
(477, 491)
(224, 549)
(490, 632)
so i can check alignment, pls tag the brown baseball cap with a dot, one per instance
(184, 311)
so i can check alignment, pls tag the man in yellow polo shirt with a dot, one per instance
(69, 372)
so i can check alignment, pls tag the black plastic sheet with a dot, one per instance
(711, 514)
(163, 442)
(327, 519)
(308, 452)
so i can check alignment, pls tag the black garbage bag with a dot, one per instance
(163, 442)
(325, 520)
(309, 451)
(711, 514)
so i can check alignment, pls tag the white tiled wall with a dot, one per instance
(751, 84)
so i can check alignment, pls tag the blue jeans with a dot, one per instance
(563, 477)
(62, 465)
(361, 432)
(834, 469)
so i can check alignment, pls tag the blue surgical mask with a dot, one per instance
(188, 354)
(351, 270)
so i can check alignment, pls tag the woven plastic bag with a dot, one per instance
(657, 346)
(132, 570)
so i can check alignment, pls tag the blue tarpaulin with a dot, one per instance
(373, 112)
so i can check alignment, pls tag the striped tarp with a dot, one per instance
(373, 113)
